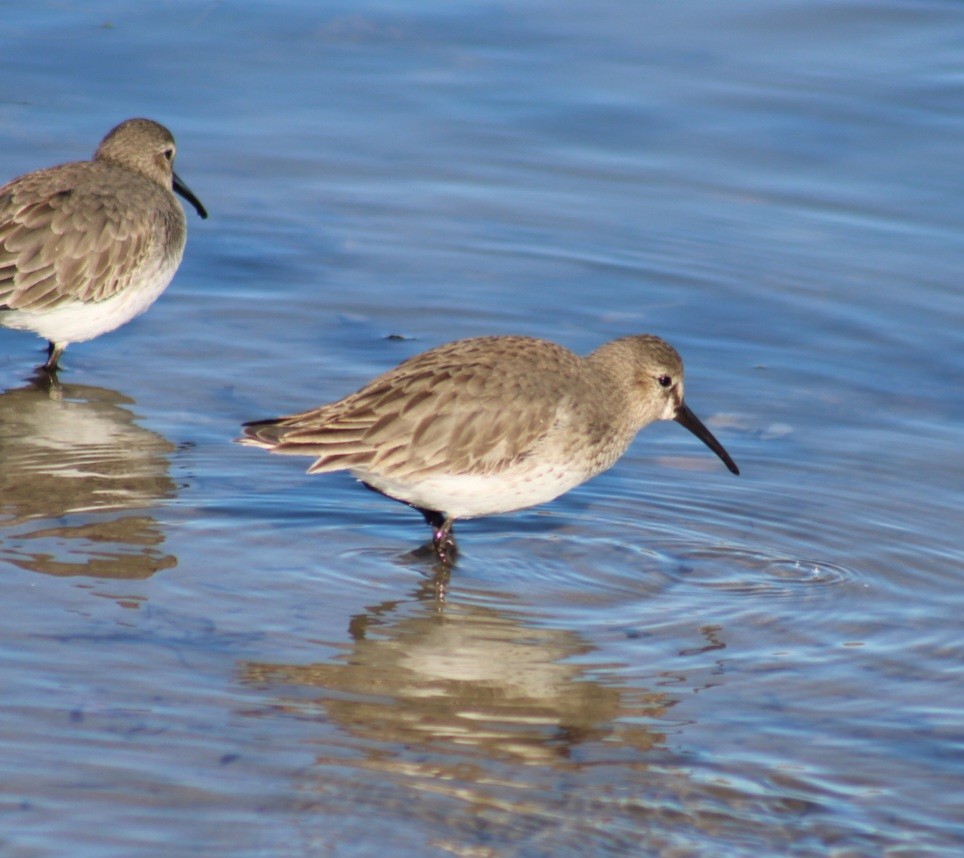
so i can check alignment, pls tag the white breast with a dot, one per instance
(471, 495)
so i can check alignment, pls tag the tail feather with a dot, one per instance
(337, 449)
(263, 433)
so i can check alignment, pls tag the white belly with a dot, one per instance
(80, 321)
(468, 496)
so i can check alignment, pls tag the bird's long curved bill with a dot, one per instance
(687, 418)
(185, 191)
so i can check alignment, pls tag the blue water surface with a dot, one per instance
(206, 652)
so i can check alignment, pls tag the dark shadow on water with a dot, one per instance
(436, 572)
(77, 474)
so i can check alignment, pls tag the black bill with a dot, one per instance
(185, 191)
(687, 418)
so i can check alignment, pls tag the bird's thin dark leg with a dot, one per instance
(54, 351)
(443, 540)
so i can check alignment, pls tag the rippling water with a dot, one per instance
(206, 652)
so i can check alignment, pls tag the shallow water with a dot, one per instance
(206, 652)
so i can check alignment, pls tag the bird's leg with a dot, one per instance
(443, 540)
(54, 351)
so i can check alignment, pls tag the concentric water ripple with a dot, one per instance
(768, 574)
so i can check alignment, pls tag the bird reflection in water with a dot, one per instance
(463, 684)
(75, 469)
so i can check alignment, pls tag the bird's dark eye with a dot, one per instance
(665, 381)
(169, 154)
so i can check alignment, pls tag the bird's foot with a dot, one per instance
(443, 541)
(54, 351)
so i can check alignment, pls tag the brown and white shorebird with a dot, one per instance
(89, 245)
(491, 425)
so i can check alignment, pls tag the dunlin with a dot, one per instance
(87, 246)
(491, 425)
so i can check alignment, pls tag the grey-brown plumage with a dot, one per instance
(491, 425)
(86, 246)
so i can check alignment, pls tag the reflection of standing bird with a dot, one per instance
(87, 246)
(491, 425)
(79, 479)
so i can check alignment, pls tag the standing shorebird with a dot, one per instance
(491, 425)
(87, 246)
